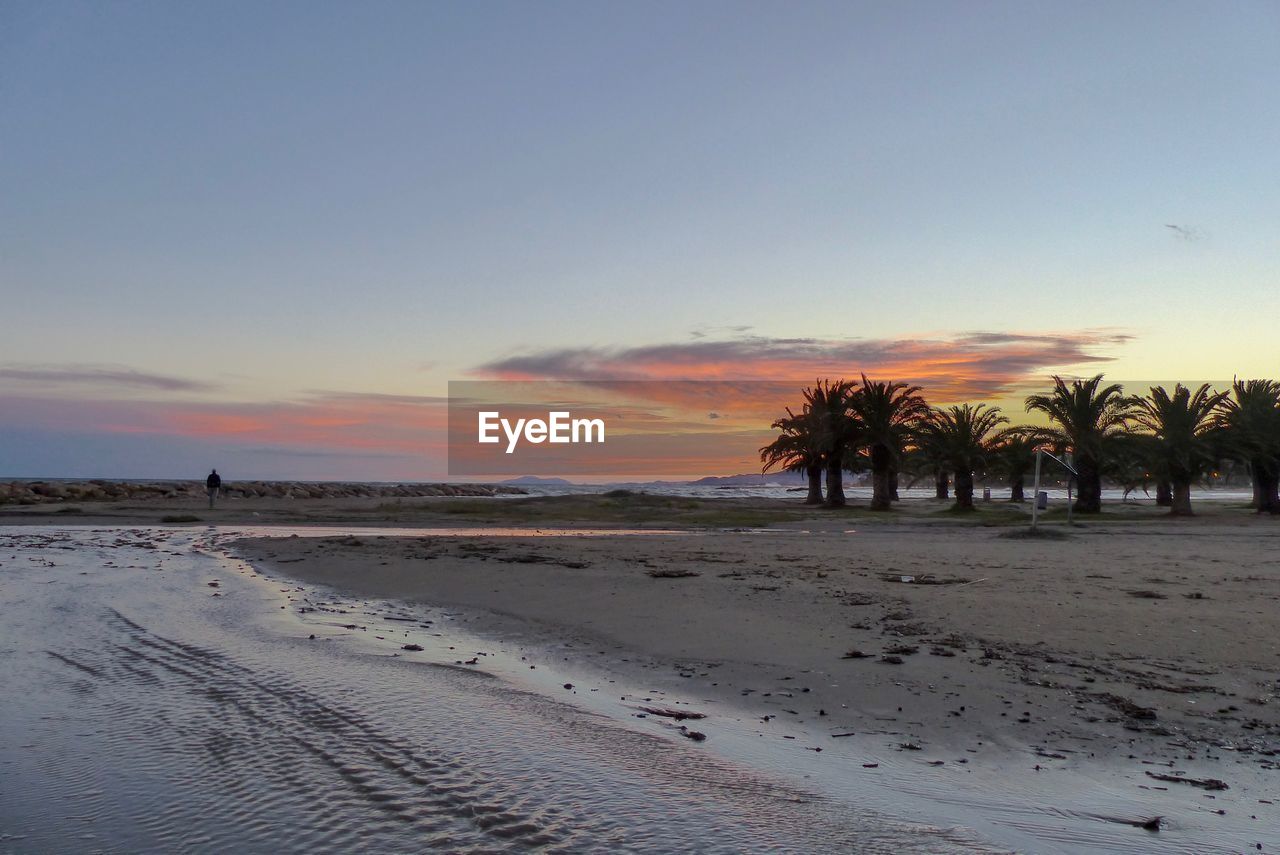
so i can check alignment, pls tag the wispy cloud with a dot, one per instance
(705, 332)
(328, 395)
(1185, 233)
(332, 421)
(976, 364)
(758, 376)
(99, 377)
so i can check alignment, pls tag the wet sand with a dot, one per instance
(1053, 694)
(1131, 651)
(160, 697)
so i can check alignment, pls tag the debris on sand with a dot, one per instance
(1147, 595)
(856, 654)
(678, 715)
(891, 660)
(1126, 706)
(695, 735)
(923, 579)
(1202, 783)
(673, 574)
(411, 647)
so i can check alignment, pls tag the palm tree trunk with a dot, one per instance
(1089, 499)
(1016, 485)
(1181, 499)
(815, 485)
(835, 481)
(1164, 493)
(1256, 477)
(1269, 498)
(942, 484)
(893, 483)
(964, 489)
(881, 478)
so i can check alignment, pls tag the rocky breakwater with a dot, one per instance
(44, 492)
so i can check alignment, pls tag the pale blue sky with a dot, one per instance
(279, 197)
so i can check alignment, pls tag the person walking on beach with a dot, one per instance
(213, 484)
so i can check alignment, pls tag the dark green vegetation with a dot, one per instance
(1172, 439)
(179, 518)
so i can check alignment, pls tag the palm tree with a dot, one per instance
(797, 449)
(1183, 426)
(962, 436)
(1252, 419)
(886, 412)
(838, 431)
(1087, 418)
(1014, 456)
(924, 460)
(1132, 463)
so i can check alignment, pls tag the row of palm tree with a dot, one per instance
(1172, 439)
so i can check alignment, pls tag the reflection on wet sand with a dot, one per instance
(156, 703)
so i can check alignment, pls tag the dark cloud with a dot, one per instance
(100, 376)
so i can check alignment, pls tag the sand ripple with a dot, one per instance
(150, 713)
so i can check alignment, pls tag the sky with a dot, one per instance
(265, 236)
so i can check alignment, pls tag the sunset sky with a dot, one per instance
(264, 236)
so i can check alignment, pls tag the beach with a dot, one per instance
(1147, 636)
(1029, 694)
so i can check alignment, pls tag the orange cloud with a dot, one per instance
(664, 417)
(971, 366)
(347, 421)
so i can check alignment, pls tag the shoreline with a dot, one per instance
(770, 612)
(763, 627)
(426, 508)
(162, 698)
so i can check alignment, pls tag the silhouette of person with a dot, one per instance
(213, 484)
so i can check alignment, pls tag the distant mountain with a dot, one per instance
(529, 480)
